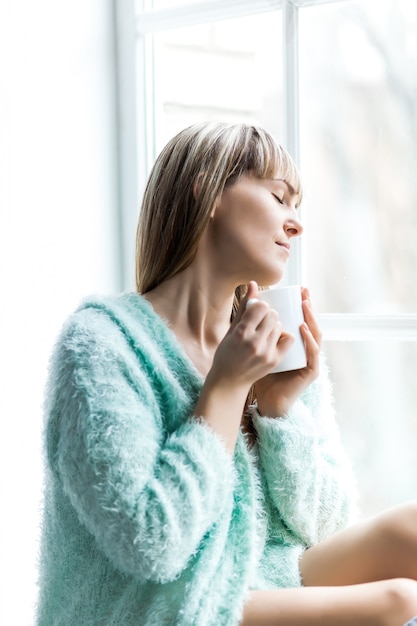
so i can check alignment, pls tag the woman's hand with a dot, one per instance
(277, 392)
(253, 345)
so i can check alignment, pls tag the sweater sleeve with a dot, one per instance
(308, 477)
(147, 496)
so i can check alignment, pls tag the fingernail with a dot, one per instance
(251, 301)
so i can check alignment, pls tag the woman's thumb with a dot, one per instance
(251, 294)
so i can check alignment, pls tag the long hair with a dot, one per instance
(173, 216)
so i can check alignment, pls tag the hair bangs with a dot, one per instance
(267, 159)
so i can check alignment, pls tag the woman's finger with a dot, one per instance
(250, 302)
(251, 294)
(312, 347)
(284, 343)
(311, 321)
(261, 318)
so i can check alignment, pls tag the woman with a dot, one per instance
(185, 484)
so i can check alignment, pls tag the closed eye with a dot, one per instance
(280, 200)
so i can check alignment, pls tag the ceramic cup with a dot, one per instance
(287, 302)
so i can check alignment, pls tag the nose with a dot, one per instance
(293, 227)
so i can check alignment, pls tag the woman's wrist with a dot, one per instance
(221, 406)
(263, 411)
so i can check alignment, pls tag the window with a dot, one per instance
(336, 83)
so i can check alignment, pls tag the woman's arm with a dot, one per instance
(308, 477)
(147, 496)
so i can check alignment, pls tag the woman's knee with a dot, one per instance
(399, 522)
(392, 539)
(401, 600)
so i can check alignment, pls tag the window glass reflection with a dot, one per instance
(224, 71)
(375, 399)
(358, 81)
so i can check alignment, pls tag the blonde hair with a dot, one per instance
(174, 216)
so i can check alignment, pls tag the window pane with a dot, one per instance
(225, 71)
(358, 81)
(149, 5)
(376, 410)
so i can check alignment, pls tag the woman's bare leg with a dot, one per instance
(365, 575)
(377, 549)
(383, 603)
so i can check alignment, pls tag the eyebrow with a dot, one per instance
(290, 187)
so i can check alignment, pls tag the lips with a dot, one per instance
(286, 246)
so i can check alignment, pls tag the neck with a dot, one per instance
(197, 304)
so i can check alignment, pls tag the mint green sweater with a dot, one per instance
(148, 521)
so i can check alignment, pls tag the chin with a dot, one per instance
(266, 279)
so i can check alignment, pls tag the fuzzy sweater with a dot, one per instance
(148, 520)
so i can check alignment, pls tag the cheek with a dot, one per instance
(243, 225)
(234, 242)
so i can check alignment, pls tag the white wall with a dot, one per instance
(58, 234)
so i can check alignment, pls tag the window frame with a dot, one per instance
(136, 127)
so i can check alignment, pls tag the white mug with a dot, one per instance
(287, 302)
